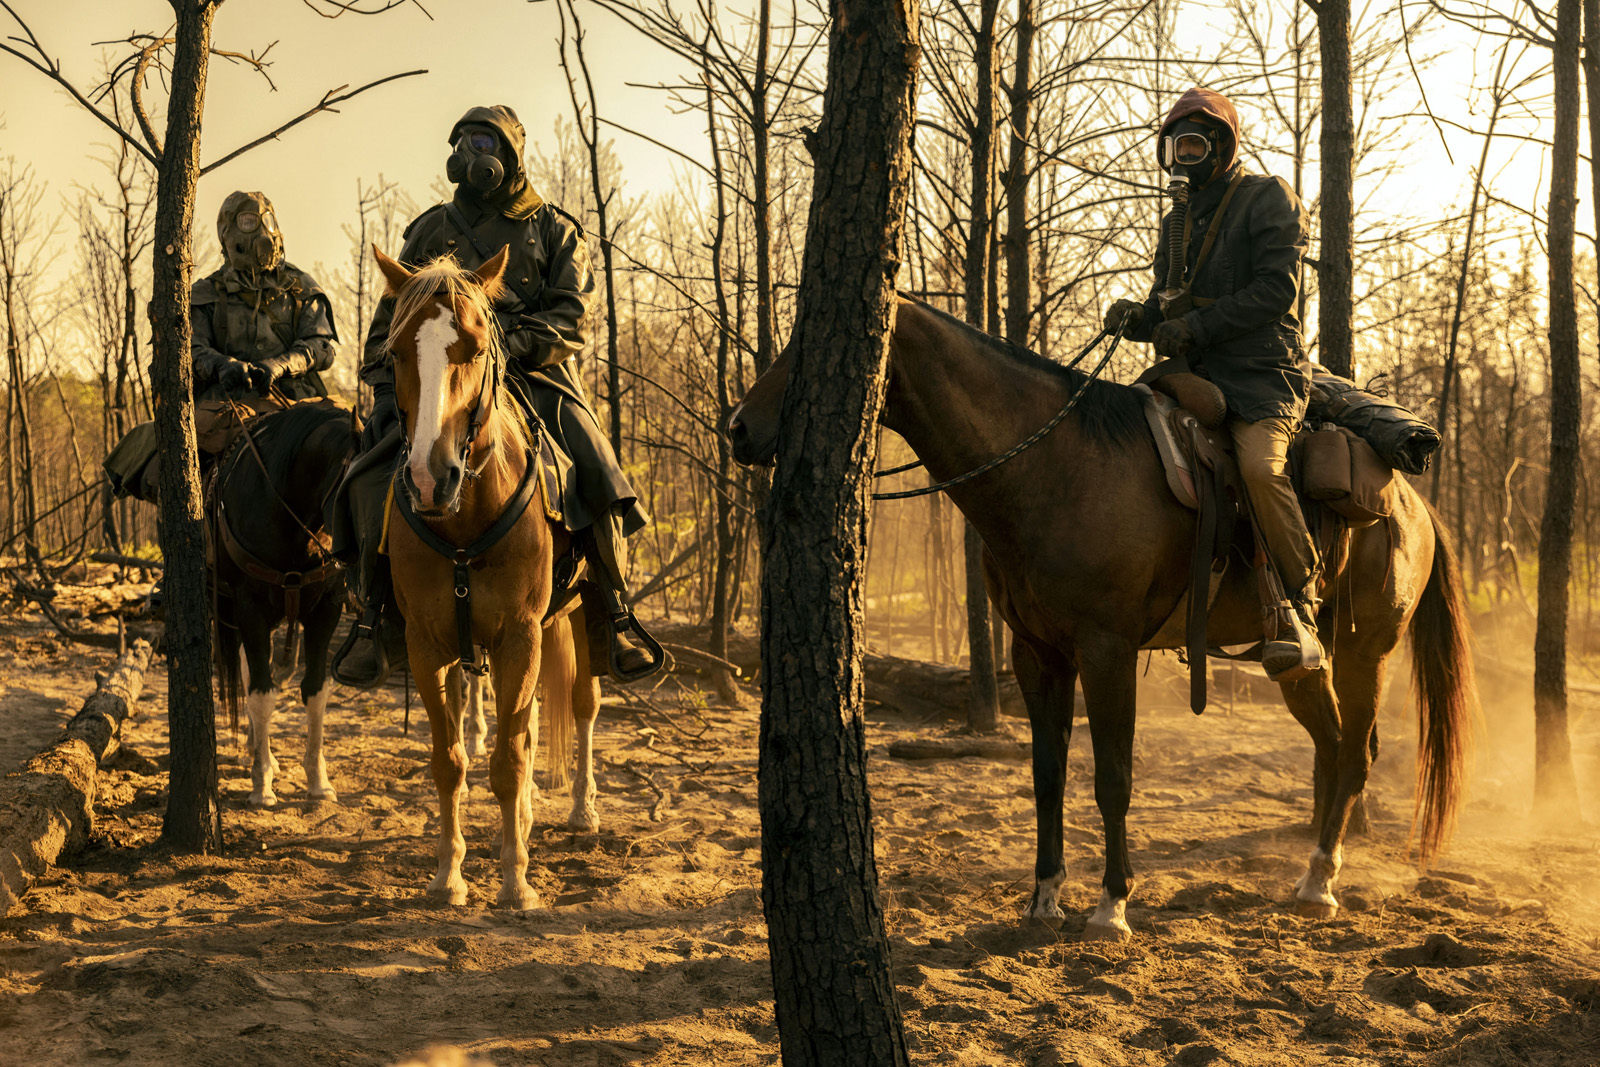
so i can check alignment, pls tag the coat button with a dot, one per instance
(531, 241)
(524, 281)
(451, 242)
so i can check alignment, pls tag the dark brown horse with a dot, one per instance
(1087, 557)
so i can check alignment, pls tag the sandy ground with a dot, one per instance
(308, 941)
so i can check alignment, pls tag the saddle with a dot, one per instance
(1342, 482)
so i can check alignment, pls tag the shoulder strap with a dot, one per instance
(1216, 224)
(528, 303)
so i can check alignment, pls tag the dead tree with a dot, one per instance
(1555, 787)
(1336, 254)
(830, 956)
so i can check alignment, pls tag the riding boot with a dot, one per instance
(376, 644)
(618, 645)
(1296, 651)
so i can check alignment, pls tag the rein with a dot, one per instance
(1037, 436)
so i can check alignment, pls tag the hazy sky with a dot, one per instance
(487, 52)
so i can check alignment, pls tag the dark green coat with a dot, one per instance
(549, 259)
(283, 310)
(1248, 342)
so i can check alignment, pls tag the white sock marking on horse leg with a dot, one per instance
(318, 785)
(585, 813)
(1109, 921)
(1316, 886)
(1047, 897)
(259, 708)
(434, 337)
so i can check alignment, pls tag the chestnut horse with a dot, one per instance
(469, 448)
(1086, 555)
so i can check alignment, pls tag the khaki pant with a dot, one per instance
(1263, 452)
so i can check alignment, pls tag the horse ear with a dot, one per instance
(492, 274)
(395, 275)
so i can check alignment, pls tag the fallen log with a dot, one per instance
(959, 747)
(909, 686)
(48, 807)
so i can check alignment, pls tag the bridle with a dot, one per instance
(482, 408)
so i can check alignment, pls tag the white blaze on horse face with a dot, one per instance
(434, 338)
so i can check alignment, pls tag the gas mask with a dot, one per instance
(1190, 152)
(248, 230)
(474, 162)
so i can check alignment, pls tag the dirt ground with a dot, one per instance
(308, 941)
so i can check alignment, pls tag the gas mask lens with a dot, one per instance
(1191, 148)
(247, 221)
(480, 142)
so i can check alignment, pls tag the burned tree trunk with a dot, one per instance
(193, 820)
(1555, 788)
(830, 956)
(1335, 294)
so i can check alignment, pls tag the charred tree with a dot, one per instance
(1336, 263)
(984, 715)
(830, 956)
(194, 816)
(1555, 787)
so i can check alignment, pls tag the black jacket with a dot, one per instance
(1248, 342)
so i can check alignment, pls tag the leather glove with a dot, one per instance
(267, 373)
(1124, 313)
(234, 377)
(384, 418)
(1172, 339)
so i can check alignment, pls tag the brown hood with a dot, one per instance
(1198, 101)
(515, 198)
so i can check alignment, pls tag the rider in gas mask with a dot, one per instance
(1225, 300)
(544, 316)
(260, 323)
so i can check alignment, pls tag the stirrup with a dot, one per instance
(368, 632)
(624, 621)
(1291, 658)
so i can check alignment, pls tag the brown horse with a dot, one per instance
(1087, 557)
(463, 476)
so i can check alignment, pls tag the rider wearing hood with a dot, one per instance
(259, 322)
(544, 316)
(1233, 317)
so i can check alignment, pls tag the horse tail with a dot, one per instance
(558, 674)
(1446, 693)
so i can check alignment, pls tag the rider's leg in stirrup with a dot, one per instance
(1292, 648)
(610, 619)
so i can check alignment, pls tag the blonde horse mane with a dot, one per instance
(446, 279)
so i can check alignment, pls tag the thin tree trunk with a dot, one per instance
(1555, 787)
(1335, 296)
(760, 137)
(984, 714)
(194, 818)
(722, 575)
(833, 995)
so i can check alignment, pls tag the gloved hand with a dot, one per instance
(234, 377)
(1172, 339)
(385, 415)
(1124, 313)
(264, 375)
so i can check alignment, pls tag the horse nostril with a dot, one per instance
(736, 430)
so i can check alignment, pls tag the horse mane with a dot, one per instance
(1109, 412)
(289, 432)
(445, 277)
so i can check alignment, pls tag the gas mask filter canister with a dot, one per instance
(474, 164)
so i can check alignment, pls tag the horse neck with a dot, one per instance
(959, 404)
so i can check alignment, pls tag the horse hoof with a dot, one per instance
(452, 893)
(584, 821)
(1116, 931)
(1315, 909)
(263, 800)
(517, 898)
(328, 795)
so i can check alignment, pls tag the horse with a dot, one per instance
(1087, 556)
(464, 478)
(270, 564)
